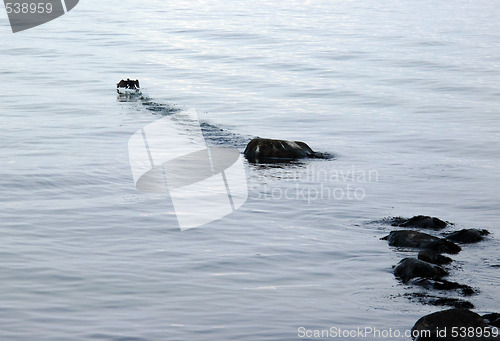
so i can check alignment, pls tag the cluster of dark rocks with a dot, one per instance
(428, 270)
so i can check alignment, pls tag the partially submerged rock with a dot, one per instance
(420, 240)
(467, 236)
(433, 324)
(434, 257)
(452, 302)
(409, 268)
(441, 284)
(492, 319)
(263, 150)
(439, 300)
(420, 222)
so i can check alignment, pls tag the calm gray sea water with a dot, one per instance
(405, 94)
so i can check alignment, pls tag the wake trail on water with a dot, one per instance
(215, 135)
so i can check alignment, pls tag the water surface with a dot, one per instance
(407, 91)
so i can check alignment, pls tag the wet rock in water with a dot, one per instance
(438, 326)
(409, 268)
(441, 284)
(440, 301)
(420, 222)
(467, 236)
(452, 302)
(420, 240)
(434, 257)
(492, 319)
(278, 150)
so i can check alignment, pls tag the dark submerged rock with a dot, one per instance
(447, 319)
(275, 150)
(440, 301)
(420, 240)
(452, 302)
(441, 284)
(409, 268)
(420, 222)
(467, 236)
(434, 257)
(492, 319)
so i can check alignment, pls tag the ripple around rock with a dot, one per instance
(445, 321)
(420, 240)
(409, 268)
